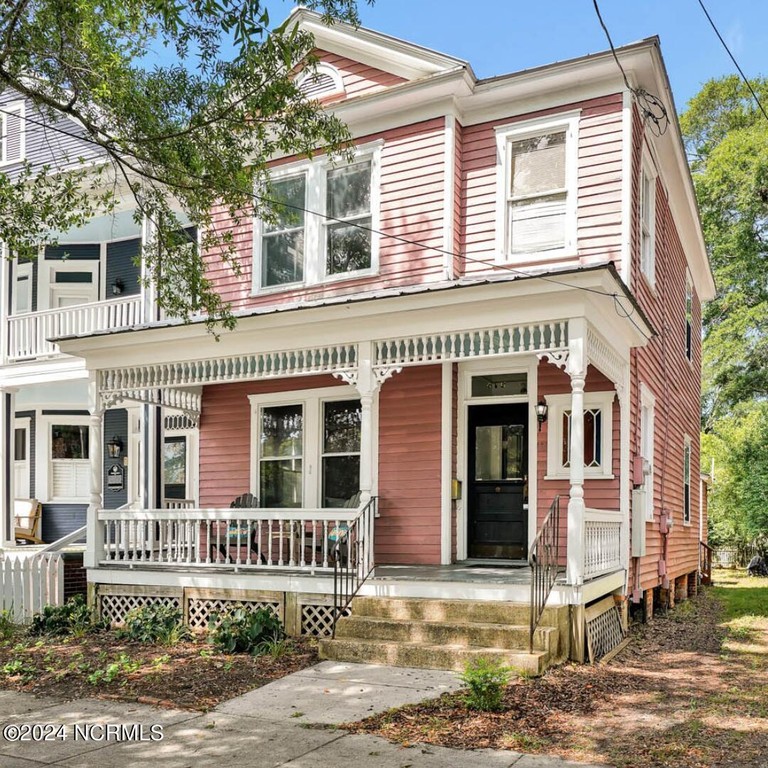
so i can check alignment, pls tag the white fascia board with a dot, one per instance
(42, 371)
(390, 54)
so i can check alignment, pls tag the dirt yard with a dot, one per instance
(690, 691)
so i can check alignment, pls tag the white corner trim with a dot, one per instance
(449, 194)
(446, 462)
(626, 188)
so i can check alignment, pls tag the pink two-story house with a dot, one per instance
(464, 381)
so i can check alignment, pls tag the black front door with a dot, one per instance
(498, 481)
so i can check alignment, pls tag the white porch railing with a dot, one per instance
(28, 334)
(297, 539)
(602, 542)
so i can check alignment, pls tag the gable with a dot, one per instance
(356, 77)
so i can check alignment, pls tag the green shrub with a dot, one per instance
(73, 618)
(486, 680)
(154, 623)
(242, 631)
(8, 626)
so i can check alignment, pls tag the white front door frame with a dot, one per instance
(528, 365)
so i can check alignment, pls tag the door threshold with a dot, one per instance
(485, 562)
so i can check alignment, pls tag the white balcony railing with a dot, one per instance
(297, 539)
(602, 542)
(29, 334)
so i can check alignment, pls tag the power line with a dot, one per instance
(733, 59)
(652, 107)
(406, 241)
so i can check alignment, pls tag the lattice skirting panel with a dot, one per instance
(604, 629)
(203, 605)
(115, 602)
(317, 617)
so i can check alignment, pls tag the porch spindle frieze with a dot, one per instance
(466, 345)
(604, 357)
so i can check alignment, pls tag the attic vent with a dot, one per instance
(324, 81)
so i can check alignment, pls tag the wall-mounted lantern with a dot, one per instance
(117, 287)
(115, 447)
(541, 412)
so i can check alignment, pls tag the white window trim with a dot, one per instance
(20, 269)
(24, 423)
(556, 405)
(44, 487)
(47, 270)
(648, 169)
(314, 223)
(192, 438)
(18, 107)
(311, 401)
(648, 401)
(505, 135)
(687, 447)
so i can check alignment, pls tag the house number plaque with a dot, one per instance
(115, 478)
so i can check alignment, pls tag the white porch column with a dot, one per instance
(7, 474)
(5, 305)
(577, 370)
(94, 549)
(148, 292)
(367, 386)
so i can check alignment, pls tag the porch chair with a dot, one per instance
(336, 536)
(244, 501)
(26, 515)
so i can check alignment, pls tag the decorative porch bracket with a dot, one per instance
(187, 403)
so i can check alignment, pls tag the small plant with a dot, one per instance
(242, 631)
(276, 648)
(124, 665)
(13, 667)
(486, 680)
(8, 626)
(154, 623)
(74, 618)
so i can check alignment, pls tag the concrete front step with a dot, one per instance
(459, 634)
(419, 609)
(427, 656)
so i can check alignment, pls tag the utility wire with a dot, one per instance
(733, 59)
(652, 107)
(399, 238)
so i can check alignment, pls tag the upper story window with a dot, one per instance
(325, 80)
(323, 225)
(598, 435)
(688, 318)
(12, 133)
(536, 183)
(648, 222)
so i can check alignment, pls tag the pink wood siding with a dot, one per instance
(412, 206)
(225, 435)
(359, 79)
(408, 530)
(598, 494)
(663, 366)
(599, 186)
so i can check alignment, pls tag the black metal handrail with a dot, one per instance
(544, 560)
(352, 559)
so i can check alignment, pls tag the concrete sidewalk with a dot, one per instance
(286, 723)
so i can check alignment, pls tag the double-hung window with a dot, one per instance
(69, 461)
(648, 223)
(323, 224)
(598, 435)
(306, 447)
(537, 188)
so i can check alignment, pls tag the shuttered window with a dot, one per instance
(12, 127)
(70, 465)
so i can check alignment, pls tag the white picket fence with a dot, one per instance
(30, 582)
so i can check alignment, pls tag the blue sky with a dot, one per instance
(500, 36)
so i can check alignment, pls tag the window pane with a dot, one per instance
(342, 427)
(537, 225)
(499, 452)
(496, 385)
(591, 458)
(282, 258)
(175, 461)
(593, 438)
(280, 483)
(69, 441)
(349, 247)
(290, 194)
(341, 479)
(20, 444)
(281, 431)
(349, 190)
(538, 164)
